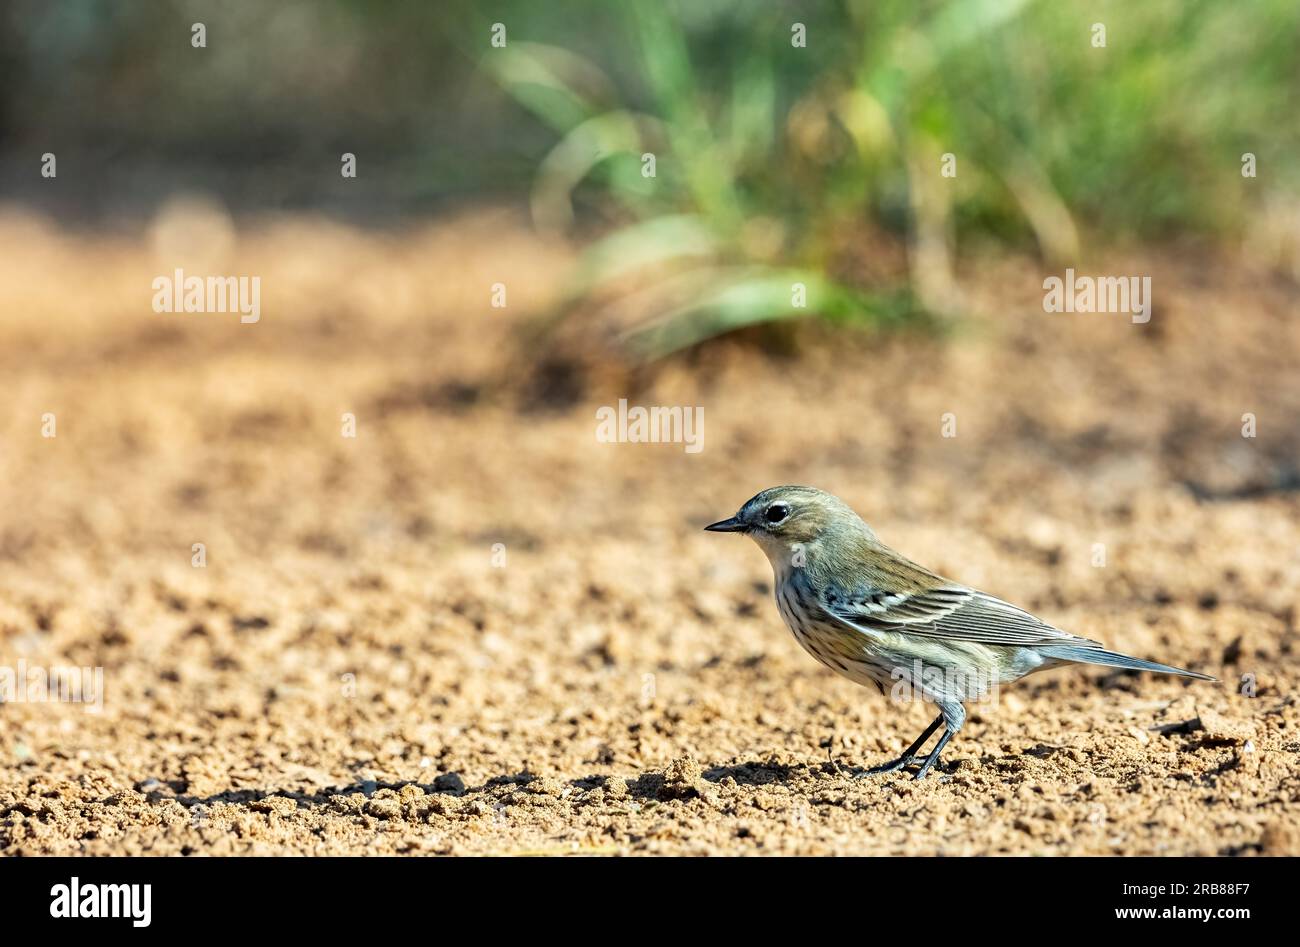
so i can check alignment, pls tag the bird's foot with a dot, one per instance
(911, 756)
(926, 762)
(892, 766)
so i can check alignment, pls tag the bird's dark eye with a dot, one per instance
(776, 512)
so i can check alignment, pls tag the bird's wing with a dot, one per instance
(947, 611)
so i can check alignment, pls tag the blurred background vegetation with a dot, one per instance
(774, 164)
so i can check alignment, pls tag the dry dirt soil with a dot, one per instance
(473, 628)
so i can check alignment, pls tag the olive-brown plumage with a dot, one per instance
(877, 618)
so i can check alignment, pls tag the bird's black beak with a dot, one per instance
(732, 525)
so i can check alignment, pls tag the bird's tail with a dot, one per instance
(1116, 660)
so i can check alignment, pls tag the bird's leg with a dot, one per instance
(934, 754)
(830, 755)
(909, 755)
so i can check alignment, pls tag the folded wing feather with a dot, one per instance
(950, 611)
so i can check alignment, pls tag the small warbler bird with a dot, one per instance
(875, 617)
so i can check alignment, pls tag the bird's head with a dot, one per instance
(785, 520)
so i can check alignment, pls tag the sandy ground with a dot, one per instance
(473, 628)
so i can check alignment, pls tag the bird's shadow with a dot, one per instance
(646, 786)
(323, 796)
(756, 774)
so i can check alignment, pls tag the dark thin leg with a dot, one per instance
(909, 755)
(934, 754)
(830, 756)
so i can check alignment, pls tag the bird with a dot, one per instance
(877, 618)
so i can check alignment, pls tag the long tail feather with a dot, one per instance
(1116, 660)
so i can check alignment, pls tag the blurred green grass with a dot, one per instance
(771, 161)
(783, 175)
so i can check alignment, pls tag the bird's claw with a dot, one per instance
(892, 766)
